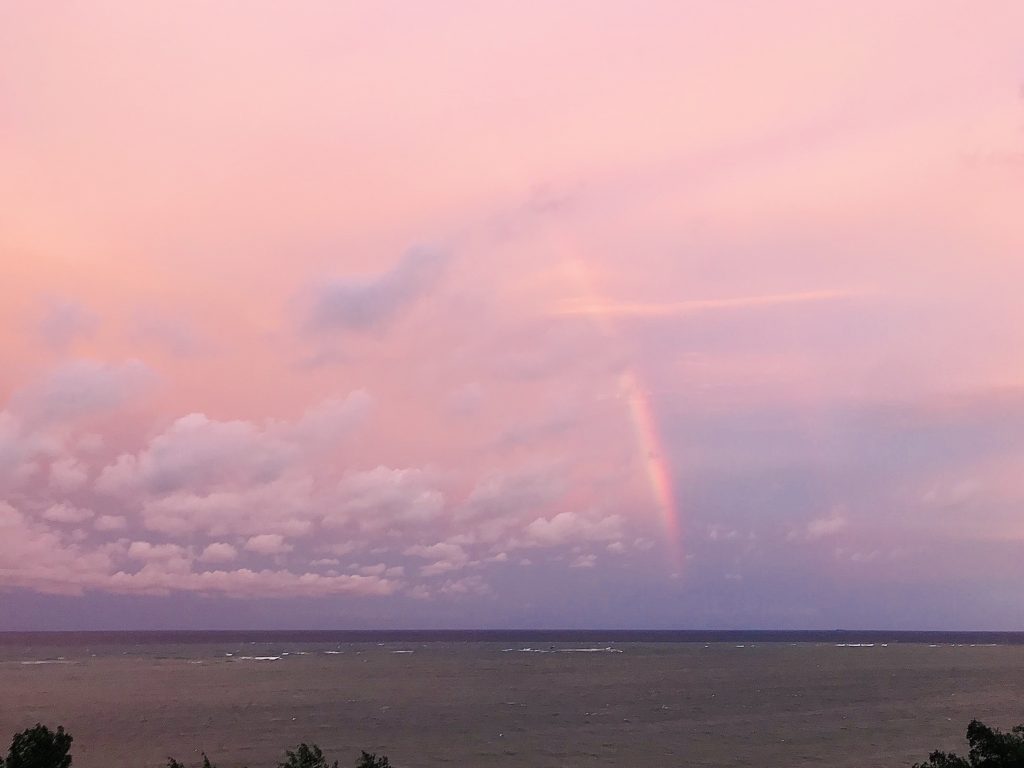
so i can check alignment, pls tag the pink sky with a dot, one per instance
(604, 314)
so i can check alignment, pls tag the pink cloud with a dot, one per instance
(268, 544)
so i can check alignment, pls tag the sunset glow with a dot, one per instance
(459, 314)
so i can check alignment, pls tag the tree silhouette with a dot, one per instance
(172, 763)
(368, 760)
(989, 748)
(39, 747)
(306, 756)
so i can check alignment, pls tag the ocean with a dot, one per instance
(512, 698)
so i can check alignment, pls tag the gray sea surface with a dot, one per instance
(511, 699)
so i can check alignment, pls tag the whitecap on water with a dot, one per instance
(259, 658)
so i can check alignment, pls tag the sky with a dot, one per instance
(499, 314)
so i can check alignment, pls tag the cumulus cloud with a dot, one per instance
(503, 494)
(384, 496)
(468, 585)
(446, 557)
(323, 424)
(110, 523)
(144, 550)
(244, 582)
(36, 556)
(67, 474)
(573, 527)
(584, 561)
(268, 544)
(218, 552)
(285, 506)
(66, 513)
(368, 303)
(198, 457)
(200, 453)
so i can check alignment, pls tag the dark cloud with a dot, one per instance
(369, 303)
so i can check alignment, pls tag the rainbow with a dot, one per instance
(648, 443)
(657, 470)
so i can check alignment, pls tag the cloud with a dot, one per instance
(566, 527)
(218, 552)
(199, 453)
(66, 513)
(820, 527)
(144, 550)
(39, 558)
(268, 544)
(68, 474)
(34, 555)
(285, 506)
(446, 556)
(247, 583)
(466, 586)
(323, 424)
(370, 303)
(384, 496)
(110, 523)
(504, 494)
(64, 321)
(78, 388)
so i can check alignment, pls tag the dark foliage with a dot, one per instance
(368, 760)
(172, 763)
(989, 748)
(306, 756)
(39, 747)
